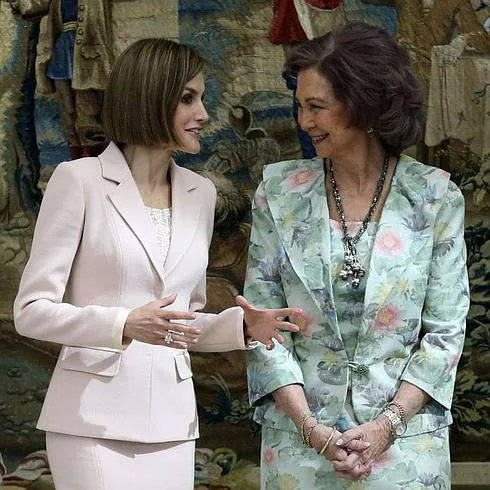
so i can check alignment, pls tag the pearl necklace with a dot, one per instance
(352, 267)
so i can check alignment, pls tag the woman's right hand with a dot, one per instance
(334, 452)
(152, 323)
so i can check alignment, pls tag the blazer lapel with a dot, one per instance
(299, 207)
(186, 209)
(127, 200)
(399, 237)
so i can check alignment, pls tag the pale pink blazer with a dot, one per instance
(94, 258)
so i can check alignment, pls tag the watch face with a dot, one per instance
(400, 428)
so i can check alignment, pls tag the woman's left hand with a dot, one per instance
(264, 324)
(378, 433)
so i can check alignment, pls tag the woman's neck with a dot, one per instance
(150, 168)
(361, 166)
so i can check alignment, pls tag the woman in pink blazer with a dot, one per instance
(117, 273)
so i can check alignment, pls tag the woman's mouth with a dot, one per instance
(318, 139)
(195, 132)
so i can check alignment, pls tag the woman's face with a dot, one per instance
(323, 116)
(191, 115)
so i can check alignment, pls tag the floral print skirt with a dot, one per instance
(416, 462)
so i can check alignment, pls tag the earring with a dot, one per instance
(370, 131)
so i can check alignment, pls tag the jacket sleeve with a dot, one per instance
(267, 370)
(433, 365)
(220, 332)
(39, 310)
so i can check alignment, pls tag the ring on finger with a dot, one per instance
(176, 332)
(168, 337)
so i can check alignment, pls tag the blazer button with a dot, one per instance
(362, 369)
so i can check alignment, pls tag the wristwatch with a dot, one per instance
(398, 425)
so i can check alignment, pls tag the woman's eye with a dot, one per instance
(187, 99)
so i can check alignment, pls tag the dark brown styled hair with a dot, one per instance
(143, 91)
(372, 76)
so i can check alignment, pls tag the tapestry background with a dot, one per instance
(252, 124)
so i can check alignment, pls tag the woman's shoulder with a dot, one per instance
(81, 168)
(410, 169)
(287, 167)
(421, 180)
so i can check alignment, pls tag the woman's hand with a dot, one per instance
(354, 450)
(378, 433)
(264, 324)
(153, 324)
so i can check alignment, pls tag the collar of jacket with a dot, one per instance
(125, 197)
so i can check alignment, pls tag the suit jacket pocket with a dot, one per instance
(183, 366)
(104, 362)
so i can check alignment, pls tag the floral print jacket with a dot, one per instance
(415, 305)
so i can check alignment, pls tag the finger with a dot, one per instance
(348, 436)
(166, 300)
(289, 312)
(241, 301)
(361, 471)
(176, 345)
(348, 464)
(187, 333)
(183, 337)
(291, 327)
(176, 315)
(181, 329)
(355, 474)
(276, 335)
(270, 345)
(357, 445)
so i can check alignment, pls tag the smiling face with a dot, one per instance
(323, 116)
(190, 116)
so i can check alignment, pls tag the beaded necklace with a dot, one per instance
(352, 268)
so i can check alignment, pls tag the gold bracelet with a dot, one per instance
(330, 437)
(302, 423)
(308, 434)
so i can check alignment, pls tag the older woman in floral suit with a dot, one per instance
(370, 243)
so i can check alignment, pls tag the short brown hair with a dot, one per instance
(372, 76)
(144, 89)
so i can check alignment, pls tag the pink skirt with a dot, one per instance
(85, 463)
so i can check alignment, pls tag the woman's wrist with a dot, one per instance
(385, 427)
(321, 438)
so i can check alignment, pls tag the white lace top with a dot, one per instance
(162, 223)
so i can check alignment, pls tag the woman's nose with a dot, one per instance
(303, 121)
(202, 114)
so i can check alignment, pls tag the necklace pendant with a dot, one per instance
(345, 272)
(358, 269)
(352, 268)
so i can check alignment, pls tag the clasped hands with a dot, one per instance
(354, 452)
(155, 323)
